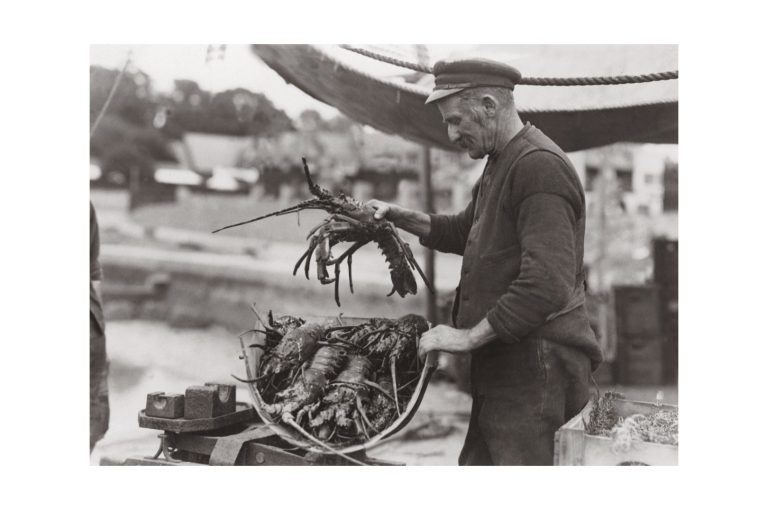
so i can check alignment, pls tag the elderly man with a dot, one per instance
(519, 308)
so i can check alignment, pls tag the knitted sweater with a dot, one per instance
(522, 241)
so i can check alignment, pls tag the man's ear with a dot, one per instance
(489, 104)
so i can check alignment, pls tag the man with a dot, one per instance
(99, 364)
(519, 308)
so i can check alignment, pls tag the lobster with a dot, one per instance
(276, 329)
(360, 337)
(336, 386)
(350, 221)
(309, 388)
(382, 406)
(289, 354)
(344, 403)
(397, 343)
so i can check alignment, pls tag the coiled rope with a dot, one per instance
(542, 81)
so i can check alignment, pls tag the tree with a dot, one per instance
(132, 100)
(310, 120)
(340, 124)
(127, 122)
(122, 161)
(268, 120)
(115, 131)
(232, 112)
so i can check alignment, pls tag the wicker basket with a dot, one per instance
(299, 439)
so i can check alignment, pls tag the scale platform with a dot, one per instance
(235, 439)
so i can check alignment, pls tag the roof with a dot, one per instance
(575, 117)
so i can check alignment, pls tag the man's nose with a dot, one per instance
(453, 134)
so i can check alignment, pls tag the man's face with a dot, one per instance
(468, 127)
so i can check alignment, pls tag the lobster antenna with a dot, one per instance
(423, 277)
(286, 211)
(313, 187)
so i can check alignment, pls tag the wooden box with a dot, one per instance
(639, 336)
(574, 447)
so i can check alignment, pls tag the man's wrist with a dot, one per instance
(412, 221)
(481, 334)
(395, 215)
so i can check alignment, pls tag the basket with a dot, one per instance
(300, 439)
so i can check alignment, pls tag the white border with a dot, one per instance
(721, 270)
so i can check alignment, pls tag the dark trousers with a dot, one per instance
(515, 424)
(99, 390)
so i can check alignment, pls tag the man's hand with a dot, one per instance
(383, 210)
(448, 339)
(414, 222)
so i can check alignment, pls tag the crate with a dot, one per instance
(640, 362)
(639, 358)
(574, 447)
(665, 265)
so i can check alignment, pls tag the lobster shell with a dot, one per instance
(295, 438)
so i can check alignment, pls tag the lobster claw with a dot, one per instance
(322, 275)
(322, 255)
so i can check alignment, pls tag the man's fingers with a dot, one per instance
(380, 209)
(381, 212)
(424, 346)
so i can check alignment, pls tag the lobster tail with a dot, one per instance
(403, 281)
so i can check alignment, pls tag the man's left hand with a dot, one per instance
(446, 339)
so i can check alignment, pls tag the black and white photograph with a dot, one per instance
(384, 254)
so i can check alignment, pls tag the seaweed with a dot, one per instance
(660, 426)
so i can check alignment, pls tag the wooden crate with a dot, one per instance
(574, 447)
(639, 337)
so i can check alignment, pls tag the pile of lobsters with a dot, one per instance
(339, 385)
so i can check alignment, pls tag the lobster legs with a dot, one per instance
(322, 238)
(350, 221)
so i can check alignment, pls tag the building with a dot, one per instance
(218, 159)
(636, 172)
(631, 196)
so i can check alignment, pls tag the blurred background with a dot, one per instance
(198, 137)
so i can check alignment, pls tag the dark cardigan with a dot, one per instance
(522, 241)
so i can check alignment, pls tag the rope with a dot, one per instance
(541, 81)
(389, 60)
(601, 80)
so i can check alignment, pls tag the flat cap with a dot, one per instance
(455, 76)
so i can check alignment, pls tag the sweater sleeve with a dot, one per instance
(448, 233)
(545, 224)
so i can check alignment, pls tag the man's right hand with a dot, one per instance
(412, 221)
(383, 210)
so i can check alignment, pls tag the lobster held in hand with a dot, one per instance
(350, 221)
